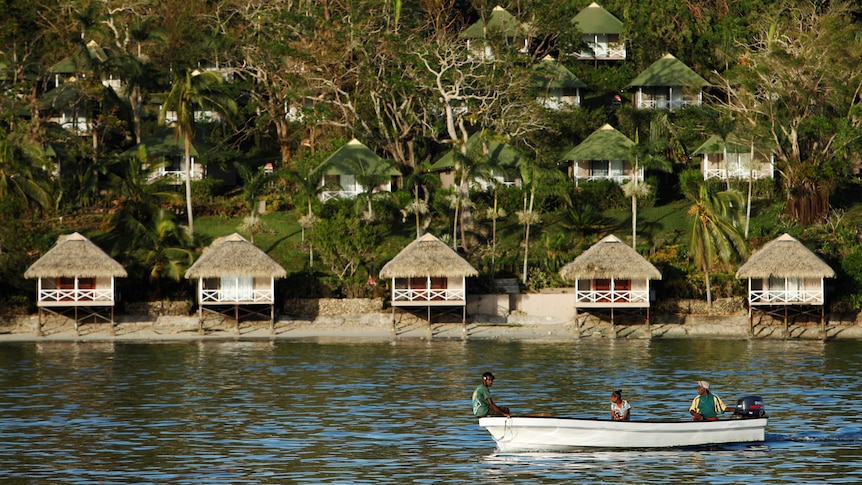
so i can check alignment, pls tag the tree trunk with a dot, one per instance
(190, 215)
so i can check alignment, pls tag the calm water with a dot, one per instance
(305, 412)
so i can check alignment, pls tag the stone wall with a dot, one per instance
(158, 308)
(317, 307)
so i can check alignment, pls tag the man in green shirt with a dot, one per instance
(706, 406)
(483, 405)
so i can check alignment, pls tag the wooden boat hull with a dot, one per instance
(517, 434)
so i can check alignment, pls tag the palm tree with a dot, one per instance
(192, 90)
(646, 156)
(715, 232)
(421, 180)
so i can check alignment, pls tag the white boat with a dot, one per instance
(527, 433)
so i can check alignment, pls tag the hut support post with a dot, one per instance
(613, 324)
(272, 319)
(39, 323)
(648, 330)
(823, 321)
(577, 323)
(200, 319)
(464, 322)
(394, 329)
(236, 317)
(430, 330)
(78, 333)
(786, 324)
(113, 330)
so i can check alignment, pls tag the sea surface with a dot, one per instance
(345, 412)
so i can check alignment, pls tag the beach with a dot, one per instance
(379, 327)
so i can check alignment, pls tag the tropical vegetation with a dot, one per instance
(263, 92)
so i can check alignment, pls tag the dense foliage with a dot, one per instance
(257, 82)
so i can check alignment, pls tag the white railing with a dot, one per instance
(620, 179)
(428, 295)
(613, 296)
(70, 295)
(734, 174)
(246, 296)
(667, 103)
(779, 297)
(604, 51)
(338, 194)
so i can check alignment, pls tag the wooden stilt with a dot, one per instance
(236, 317)
(272, 319)
(200, 319)
(39, 324)
(78, 333)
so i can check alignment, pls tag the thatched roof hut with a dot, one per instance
(75, 256)
(234, 256)
(612, 259)
(427, 256)
(784, 257)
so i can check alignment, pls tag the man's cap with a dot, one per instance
(488, 374)
(703, 384)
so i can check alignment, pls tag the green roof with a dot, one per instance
(499, 21)
(550, 74)
(76, 62)
(606, 143)
(499, 153)
(668, 71)
(716, 145)
(596, 20)
(354, 154)
(165, 143)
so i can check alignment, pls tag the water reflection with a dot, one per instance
(345, 412)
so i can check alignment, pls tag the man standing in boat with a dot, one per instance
(483, 405)
(706, 406)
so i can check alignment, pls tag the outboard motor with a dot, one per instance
(750, 407)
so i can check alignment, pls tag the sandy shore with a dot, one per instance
(379, 327)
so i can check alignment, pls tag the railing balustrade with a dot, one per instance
(667, 104)
(612, 296)
(251, 296)
(770, 297)
(71, 295)
(428, 295)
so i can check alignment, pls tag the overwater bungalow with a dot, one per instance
(235, 278)
(428, 273)
(483, 148)
(785, 279)
(76, 281)
(611, 275)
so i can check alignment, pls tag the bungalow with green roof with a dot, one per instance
(346, 172)
(733, 158)
(166, 145)
(604, 155)
(667, 84)
(600, 31)
(499, 25)
(500, 159)
(557, 85)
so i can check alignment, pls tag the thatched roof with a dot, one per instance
(606, 143)
(75, 256)
(668, 71)
(427, 256)
(354, 158)
(498, 152)
(234, 256)
(500, 21)
(550, 74)
(784, 257)
(610, 258)
(596, 20)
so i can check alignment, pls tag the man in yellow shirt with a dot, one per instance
(706, 406)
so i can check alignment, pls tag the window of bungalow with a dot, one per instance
(599, 168)
(792, 287)
(419, 283)
(616, 168)
(237, 287)
(603, 287)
